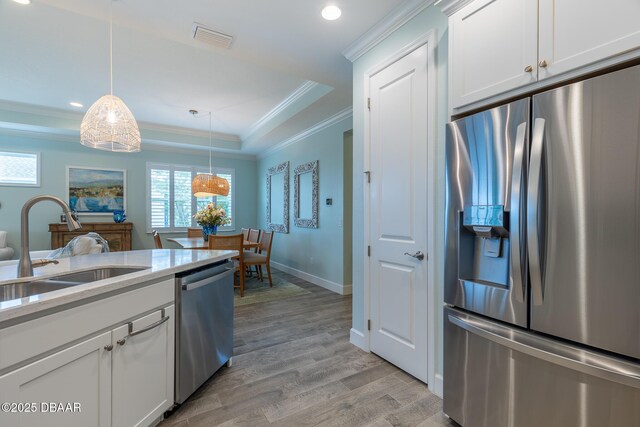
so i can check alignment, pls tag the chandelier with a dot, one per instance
(208, 184)
(108, 124)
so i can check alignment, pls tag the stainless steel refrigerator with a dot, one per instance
(542, 265)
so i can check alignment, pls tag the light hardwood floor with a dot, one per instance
(293, 366)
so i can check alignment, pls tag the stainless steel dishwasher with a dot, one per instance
(204, 325)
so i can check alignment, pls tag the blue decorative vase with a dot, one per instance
(208, 229)
(119, 216)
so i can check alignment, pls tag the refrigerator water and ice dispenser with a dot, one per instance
(483, 240)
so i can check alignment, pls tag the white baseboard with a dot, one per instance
(347, 289)
(357, 338)
(327, 284)
(438, 386)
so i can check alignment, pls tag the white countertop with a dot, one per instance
(158, 263)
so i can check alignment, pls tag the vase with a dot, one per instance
(119, 216)
(208, 229)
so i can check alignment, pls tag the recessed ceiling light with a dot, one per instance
(76, 104)
(23, 1)
(331, 13)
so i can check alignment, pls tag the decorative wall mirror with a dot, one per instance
(278, 198)
(305, 187)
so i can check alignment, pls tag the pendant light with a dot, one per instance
(208, 184)
(108, 124)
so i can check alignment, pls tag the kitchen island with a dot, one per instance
(101, 352)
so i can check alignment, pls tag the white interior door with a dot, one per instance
(398, 212)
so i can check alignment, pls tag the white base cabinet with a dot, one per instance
(114, 370)
(79, 376)
(142, 369)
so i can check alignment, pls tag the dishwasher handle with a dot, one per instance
(209, 280)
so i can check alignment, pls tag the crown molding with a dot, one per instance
(156, 137)
(188, 132)
(63, 135)
(330, 121)
(449, 7)
(44, 134)
(297, 94)
(19, 107)
(300, 99)
(178, 147)
(33, 119)
(381, 30)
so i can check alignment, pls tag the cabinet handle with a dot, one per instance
(163, 319)
(122, 341)
(528, 69)
(543, 64)
(108, 347)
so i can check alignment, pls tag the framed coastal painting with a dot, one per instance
(96, 191)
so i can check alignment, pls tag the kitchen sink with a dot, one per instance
(96, 274)
(13, 291)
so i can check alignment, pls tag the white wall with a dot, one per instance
(317, 252)
(430, 18)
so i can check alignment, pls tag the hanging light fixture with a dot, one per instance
(208, 184)
(108, 124)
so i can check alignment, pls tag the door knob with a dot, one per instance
(108, 347)
(528, 69)
(543, 64)
(418, 255)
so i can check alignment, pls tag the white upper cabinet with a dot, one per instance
(506, 47)
(574, 33)
(493, 48)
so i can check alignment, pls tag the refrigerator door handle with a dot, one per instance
(607, 371)
(514, 202)
(533, 196)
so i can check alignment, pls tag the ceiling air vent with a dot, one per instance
(209, 36)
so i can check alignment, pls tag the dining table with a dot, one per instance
(199, 243)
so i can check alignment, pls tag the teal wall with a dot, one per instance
(55, 155)
(316, 251)
(430, 18)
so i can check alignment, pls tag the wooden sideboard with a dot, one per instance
(118, 235)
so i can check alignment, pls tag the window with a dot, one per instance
(170, 203)
(20, 169)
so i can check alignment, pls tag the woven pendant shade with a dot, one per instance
(109, 125)
(206, 185)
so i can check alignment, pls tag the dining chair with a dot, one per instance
(156, 238)
(194, 232)
(231, 242)
(254, 237)
(245, 233)
(263, 257)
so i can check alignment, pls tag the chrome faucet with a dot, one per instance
(25, 267)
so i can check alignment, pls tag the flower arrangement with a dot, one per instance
(211, 215)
